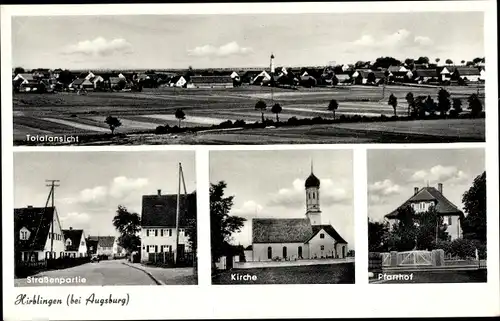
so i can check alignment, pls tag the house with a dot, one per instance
(75, 243)
(234, 75)
(105, 245)
(37, 234)
(367, 76)
(347, 67)
(343, 79)
(97, 82)
(297, 238)
(423, 198)
(178, 81)
(158, 223)
(117, 83)
(82, 83)
(23, 78)
(261, 78)
(307, 80)
(467, 73)
(87, 75)
(211, 82)
(425, 75)
(41, 73)
(482, 76)
(446, 72)
(118, 250)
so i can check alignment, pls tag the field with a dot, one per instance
(311, 274)
(72, 114)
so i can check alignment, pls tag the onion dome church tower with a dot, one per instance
(313, 213)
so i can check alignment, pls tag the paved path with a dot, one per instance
(167, 276)
(112, 272)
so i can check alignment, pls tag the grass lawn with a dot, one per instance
(467, 276)
(312, 274)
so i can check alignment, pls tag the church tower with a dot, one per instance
(271, 63)
(313, 212)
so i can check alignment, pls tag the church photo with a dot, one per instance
(276, 221)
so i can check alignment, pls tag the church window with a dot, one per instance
(322, 236)
(284, 252)
(269, 253)
(322, 247)
(449, 220)
(300, 251)
(314, 195)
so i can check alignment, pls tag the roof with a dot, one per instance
(342, 76)
(75, 236)
(176, 78)
(312, 181)
(211, 79)
(328, 229)
(443, 205)
(115, 80)
(364, 72)
(106, 241)
(78, 81)
(281, 230)
(464, 71)
(38, 221)
(425, 73)
(394, 68)
(160, 210)
(26, 76)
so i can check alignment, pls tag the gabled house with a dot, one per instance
(367, 76)
(343, 79)
(446, 72)
(87, 75)
(97, 82)
(158, 223)
(76, 245)
(82, 83)
(425, 75)
(211, 82)
(37, 234)
(422, 200)
(234, 75)
(261, 78)
(23, 78)
(178, 81)
(105, 245)
(467, 73)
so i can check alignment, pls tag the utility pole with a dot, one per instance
(177, 213)
(52, 184)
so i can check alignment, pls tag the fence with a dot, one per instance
(23, 269)
(185, 259)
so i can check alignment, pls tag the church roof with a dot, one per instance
(281, 230)
(328, 229)
(312, 181)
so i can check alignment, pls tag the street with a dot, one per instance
(112, 272)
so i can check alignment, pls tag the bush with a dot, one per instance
(463, 248)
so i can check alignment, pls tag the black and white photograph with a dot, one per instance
(273, 221)
(427, 215)
(320, 78)
(104, 218)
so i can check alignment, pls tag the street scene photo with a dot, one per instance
(427, 216)
(305, 78)
(273, 221)
(104, 218)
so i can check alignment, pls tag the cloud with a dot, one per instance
(100, 47)
(294, 196)
(75, 220)
(440, 174)
(249, 208)
(380, 191)
(400, 38)
(229, 49)
(118, 189)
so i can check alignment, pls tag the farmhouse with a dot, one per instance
(446, 72)
(343, 79)
(178, 81)
(158, 223)
(423, 199)
(37, 234)
(424, 75)
(105, 245)
(261, 78)
(82, 83)
(297, 238)
(211, 82)
(467, 74)
(23, 78)
(75, 243)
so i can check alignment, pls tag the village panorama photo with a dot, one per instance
(427, 216)
(104, 218)
(273, 221)
(228, 79)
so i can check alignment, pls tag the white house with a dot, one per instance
(482, 76)
(446, 73)
(234, 75)
(423, 199)
(23, 78)
(297, 238)
(105, 245)
(158, 223)
(471, 74)
(178, 81)
(76, 245)
(37, 234)
(261, 78)
(117, 249)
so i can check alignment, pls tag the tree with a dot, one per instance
(457, 107)
(477, 60)
(462, 62)
(19, 70)
(222, 224)
(420, 107)
(385, 62)
(371, 78)
(113, 123)
(403, 234)
(333, 106)
(475, 105)
(378, 236)
(191, 229)
(444, 103)
(430, 105)
(474, 200)
(422, 60)
(411, 102)
(393, 101)
(449, 61)
(276, 109)
(65, 77)
(180, 115)
(261, 106)
(128, 225)
(430, 229)
(437, 60)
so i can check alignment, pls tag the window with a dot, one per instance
(161, 232)
(322, 248)
(300, 251)
(322, 236)
(68, 242)
(147, 232)
(314, 195)
(24, 235)
(285, 252)
(269, 253)
(449, 220)
(170, 232)
(156, 232)
(156, 248)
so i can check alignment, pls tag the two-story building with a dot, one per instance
(158, 223)
(76, 245)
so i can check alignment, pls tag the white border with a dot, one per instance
(207, 301)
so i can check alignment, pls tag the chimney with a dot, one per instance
(440, 188)
(415, 190)
(159, 192)
(30, 206)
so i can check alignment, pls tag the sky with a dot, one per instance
(270, 184)
(93, 184)
(392, 175)
(211, 41)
